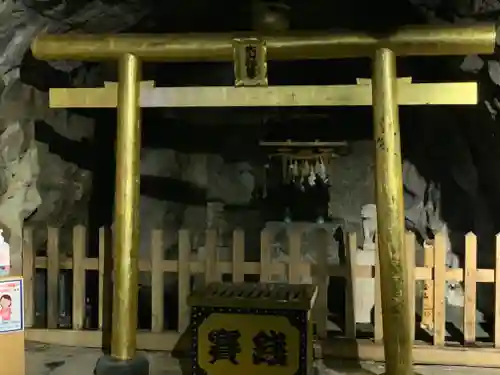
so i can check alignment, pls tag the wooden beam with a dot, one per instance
(272, 96)
(315, 144)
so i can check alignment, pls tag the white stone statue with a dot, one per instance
(454, 290)
(369, 224)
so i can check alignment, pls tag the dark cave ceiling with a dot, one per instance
(26, 18)
(218, 15)
(23, 19)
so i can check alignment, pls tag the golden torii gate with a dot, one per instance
(384, 92)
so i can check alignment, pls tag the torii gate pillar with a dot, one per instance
(390, 213)
(129, 49)
(126, 220)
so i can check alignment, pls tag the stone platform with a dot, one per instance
(58, 360)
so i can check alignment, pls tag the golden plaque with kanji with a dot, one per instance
(249, 328)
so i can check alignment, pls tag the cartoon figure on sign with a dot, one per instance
(5, 307)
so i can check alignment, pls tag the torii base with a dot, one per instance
(107, 365)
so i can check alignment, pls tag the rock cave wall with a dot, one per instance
(40, 186)
(456, 148)
(218, 184)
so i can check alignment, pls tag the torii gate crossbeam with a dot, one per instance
(386, 93)
(449, 93)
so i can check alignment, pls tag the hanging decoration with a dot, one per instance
(306, 170)
(305, 164)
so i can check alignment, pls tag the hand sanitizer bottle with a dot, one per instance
(4, 256)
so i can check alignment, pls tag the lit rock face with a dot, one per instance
(442, 188)
(157, 213)
(19, 156)
(225, 183)
(40, 187)
(422, 198)
(36, 183)
(19, 176)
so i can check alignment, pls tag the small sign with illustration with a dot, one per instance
(4, 256)
(11, 305)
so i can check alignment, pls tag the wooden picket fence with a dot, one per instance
(433, 275)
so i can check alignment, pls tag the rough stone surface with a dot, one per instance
(231, 183)
(20, 172)
(458, 205)
(57, 360)
(216, 180)
(352, 184)
(36, 182)
(39, 184)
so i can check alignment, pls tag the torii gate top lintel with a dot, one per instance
(425, 40)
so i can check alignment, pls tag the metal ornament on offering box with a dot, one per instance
(305, 163)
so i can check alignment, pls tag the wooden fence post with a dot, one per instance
(184, 278)
(29, 272)
(157, 283)
(427, 321)
(470, 271)
(79, 254)
(439, 289)
(238, 256)
(52, 277)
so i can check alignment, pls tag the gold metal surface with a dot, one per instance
(396, 311)
(272, 96)
(415, 40)
(255, 296)
(240, 313)
(387, 94)
(250, 62)
(144, 85)
(290, 143)
(126, 220)
(248, 326)
(291, 150)
(399, 80)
